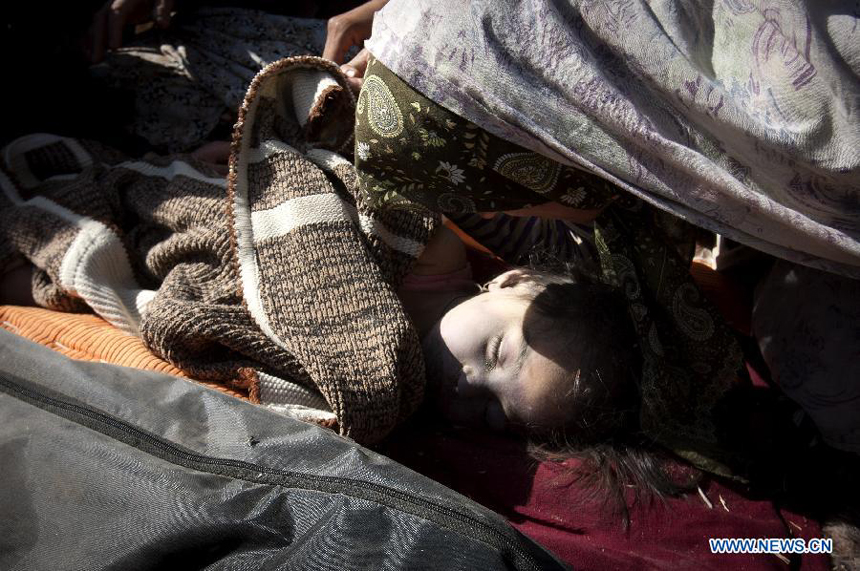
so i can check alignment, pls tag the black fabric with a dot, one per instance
(104, 467)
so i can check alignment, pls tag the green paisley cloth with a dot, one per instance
(409, 149)
(412, 153)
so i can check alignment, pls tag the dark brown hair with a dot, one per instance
(612, 455)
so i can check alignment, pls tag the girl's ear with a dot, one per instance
(510, 278)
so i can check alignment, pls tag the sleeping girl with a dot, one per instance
(554, 359)
(298, 279)
(631, 370)
(529, 351)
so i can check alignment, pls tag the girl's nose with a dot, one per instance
(470, 383)
(471, 375)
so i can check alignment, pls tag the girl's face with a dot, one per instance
(481, 370)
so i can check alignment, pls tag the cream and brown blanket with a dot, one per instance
(278, 280)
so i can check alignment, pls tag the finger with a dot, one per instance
(355, 83)
(334, 49)
(215, 152)
(97, 33)
(163, 10)
(356, 67)
(116, 23)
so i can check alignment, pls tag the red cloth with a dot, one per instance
(537, 499)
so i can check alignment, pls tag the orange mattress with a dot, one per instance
(87, 337)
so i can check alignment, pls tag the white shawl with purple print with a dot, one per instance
(738, 115)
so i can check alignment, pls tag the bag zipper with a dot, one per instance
(447, 517)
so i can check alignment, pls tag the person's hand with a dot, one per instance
(216, 154)
(109, 22)
(354, 70)
(350, 29)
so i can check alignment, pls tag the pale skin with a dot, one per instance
(481, 370)
(467, 331)
(487, 373)
(352, 29)
(347, 30)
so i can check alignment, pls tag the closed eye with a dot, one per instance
(491, 357)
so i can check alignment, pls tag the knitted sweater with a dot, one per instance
(280, 280)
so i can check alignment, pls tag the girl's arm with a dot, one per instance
(445, 253)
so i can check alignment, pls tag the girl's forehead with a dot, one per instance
(489, 311)
(504, 299)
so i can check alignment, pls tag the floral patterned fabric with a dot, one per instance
(412, 153)
(450, 164)
(737, 115)
(813, 351)
(690, 356)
